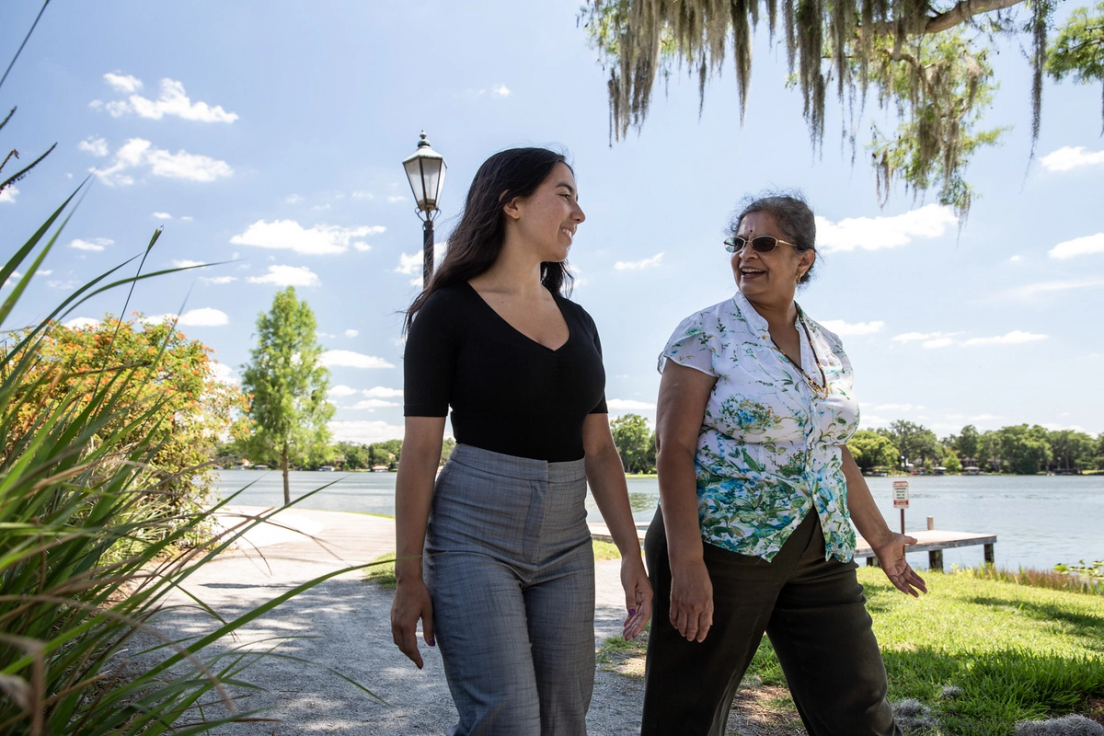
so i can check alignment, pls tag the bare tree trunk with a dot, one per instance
(284, 462)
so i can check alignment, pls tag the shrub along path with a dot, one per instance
(344, 624)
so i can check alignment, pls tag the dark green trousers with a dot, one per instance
(812, 609)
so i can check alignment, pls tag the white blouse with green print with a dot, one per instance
(768, 450)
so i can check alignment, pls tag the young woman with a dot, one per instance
(506, 584)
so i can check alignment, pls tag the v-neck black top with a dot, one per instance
(508, 393)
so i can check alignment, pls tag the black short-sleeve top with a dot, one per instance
(508, 393)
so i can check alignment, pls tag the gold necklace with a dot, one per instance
(820, 391)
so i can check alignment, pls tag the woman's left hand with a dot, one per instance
(638, 595)
(891, 558)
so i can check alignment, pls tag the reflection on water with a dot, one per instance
(1039, 521)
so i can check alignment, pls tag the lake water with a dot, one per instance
(1039, 521)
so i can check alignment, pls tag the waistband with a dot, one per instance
(524, 468)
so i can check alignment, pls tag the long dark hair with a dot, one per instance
(477, 239)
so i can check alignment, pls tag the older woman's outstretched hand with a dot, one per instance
(891, 557)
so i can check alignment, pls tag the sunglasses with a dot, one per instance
(760, 244)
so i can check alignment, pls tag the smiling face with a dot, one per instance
(546, 220)
(768, 277)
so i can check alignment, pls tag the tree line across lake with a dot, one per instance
(908, 447)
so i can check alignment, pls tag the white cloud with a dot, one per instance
(652, 262)
(222, 372)
(161, 215)
(946, 339)
(928, 339)
(351, 333)
(1016, 337)
(362, 247)
(80, 323)
(372, 404)
(840, 327)
(218, 279)
(123, 83)
(186, 218)
(1078, 247)
(8, 194)
(1015, 259)
(629, 405)
(339, 391)
(381, 392)
(140, 153)
(396, 198)
(1048, 287)
(1068, 157)
(411, 263)
(363, 195)
(365, 432)
(205, 317)
(898, 407)
(185, 263)
(916, 336)
(500, 90)
(95, 244)
(95, 146)
(350, 359)
(290, 235)
(287, 276)
(874, 233)
(293, 199)
(65, 285)
(173, 101)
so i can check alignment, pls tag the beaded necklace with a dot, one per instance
(821, 391)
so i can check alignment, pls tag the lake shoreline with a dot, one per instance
(1040, 521)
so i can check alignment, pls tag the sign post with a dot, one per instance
(901, 499)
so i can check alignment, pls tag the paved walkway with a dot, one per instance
(343, 624)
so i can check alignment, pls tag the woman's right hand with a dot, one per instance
(411, 603)
(691, 600)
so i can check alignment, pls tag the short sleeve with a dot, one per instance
(600, 407)
(691, 345)
(429, 360)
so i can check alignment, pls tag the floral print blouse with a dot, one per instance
(769, 447)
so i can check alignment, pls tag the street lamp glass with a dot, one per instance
(425, 169)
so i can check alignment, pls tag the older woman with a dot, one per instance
(757, 495)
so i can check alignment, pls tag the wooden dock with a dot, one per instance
(932, 541)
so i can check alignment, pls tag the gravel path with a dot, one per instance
(343, 624)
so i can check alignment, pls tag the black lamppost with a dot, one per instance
(425, 169)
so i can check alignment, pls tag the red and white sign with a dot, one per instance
(900, 494)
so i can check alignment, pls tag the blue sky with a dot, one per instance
(272, 134)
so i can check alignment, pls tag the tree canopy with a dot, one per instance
(926, 60)
(635, 443)
(287, 384)
(167, 398)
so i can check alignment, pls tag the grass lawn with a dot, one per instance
(979, 655)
